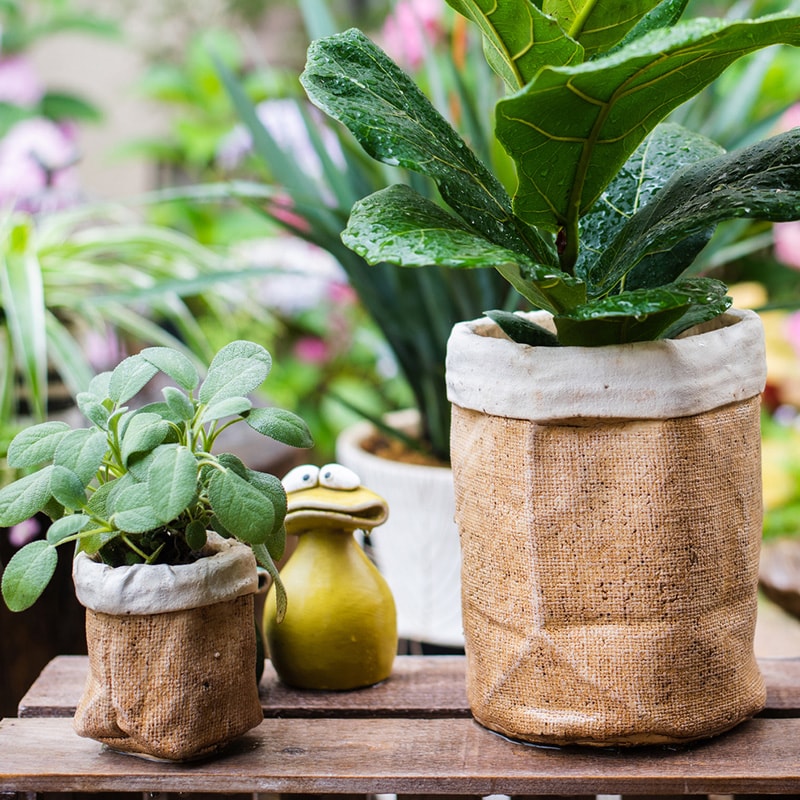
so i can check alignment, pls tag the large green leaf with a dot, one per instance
(82, 452)
(664, 15)
(643, 314)
(281, 425)
(143, 433)
(37, 444)
(28, 573)
(400, 226)
(241, 507)
(597, 25)
(133, 510)
(518, 38)
(355, 82)
(761, 182)
(572, 128)
(25, 497)
(665, 151)
(172, 481)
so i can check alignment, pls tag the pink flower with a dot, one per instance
(287, 126)
(24, 532)
(311, 350)
(282, 210)
(790, 118)
(411, 29)
(36, 156)
(19, 83)
(792, 330)
(787, 243)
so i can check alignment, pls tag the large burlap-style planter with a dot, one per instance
(609, 506)
(172, 654)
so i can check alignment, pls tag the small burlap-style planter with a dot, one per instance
(172, 654)
(609, 507)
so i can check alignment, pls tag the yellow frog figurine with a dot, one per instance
(340, 628)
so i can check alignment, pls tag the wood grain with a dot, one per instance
(420, 686)
(424, 756)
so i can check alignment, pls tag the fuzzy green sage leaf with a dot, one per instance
(172, 481)
(36, 445)
(281, 425)
(27, 574)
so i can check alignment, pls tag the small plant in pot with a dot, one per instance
(168, 536)
(613, 435)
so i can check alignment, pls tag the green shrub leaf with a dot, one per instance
(241, 508)
(572, 128)
(272, 490)
(36, 445)
(241, 349)
(82, 452)
(355, 82)
(229, 407)
(196, 536)
(144, 432)
(25, 497)
(93, 409)
(129, 378)
(643, 314)
(523, 330)
(67, 488)
(133, 509)
(664, 152)
(281, 601)
(519, 39)
(172, 481)
(232, 378)
(27, 574)
(179, 404)
(597, 26)
(66, 526)
(761, 181)
(281, 425)
(401, 226)
(173, 363)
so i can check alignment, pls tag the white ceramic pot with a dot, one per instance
(417, 549)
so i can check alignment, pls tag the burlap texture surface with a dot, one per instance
(609, 574)
(171, 685)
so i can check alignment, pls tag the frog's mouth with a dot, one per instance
(320, 507)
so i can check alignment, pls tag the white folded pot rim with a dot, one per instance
(712, 365)
(228, 573)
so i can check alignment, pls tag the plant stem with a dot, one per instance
(137, 550)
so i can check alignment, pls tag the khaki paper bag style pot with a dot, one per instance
(172, 653)
(609, 508)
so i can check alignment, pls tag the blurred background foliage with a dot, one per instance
(273, 269)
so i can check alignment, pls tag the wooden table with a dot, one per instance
(411, 735)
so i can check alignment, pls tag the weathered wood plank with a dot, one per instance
(432, 756)
(420, 686)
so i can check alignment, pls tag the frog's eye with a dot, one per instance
(335, 476)
(304, 477)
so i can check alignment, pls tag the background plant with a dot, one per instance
(95, 269)
(142, 485)
(580, 240)
(414, 310)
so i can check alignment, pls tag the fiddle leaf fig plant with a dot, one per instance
(141, 484)
(612, 204)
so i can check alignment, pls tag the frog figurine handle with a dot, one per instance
(340, 628)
